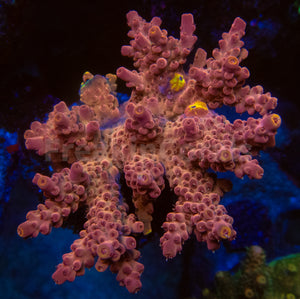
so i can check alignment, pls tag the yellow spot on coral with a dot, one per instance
(232, 60)
(177, 82)
(153, 30)
(225, 232)
(290, 296)
(86, 76)
(20, 232)
(249, 293)
(148, 231)
(261, 279)
(112, 78)
(42, 182)
(198, 108)
(225, 156)
(276, 120)
(139, 110)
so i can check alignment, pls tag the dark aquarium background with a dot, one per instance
(46, 46)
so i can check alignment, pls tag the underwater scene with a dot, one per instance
(149, 149)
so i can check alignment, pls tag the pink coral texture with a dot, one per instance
(168, 132)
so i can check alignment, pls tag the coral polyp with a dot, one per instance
(168, 131)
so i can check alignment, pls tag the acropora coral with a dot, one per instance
(169, 131)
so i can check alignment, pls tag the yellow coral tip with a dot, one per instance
(232, 60)
(225, 232)
(276, 120)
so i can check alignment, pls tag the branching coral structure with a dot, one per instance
(169, 131)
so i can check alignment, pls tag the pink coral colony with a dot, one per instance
(169, 131)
